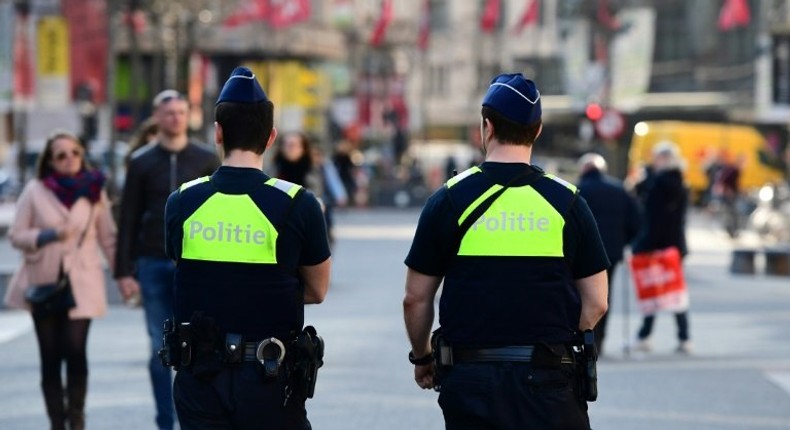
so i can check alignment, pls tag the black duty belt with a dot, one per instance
(514, 354)
(270, 349)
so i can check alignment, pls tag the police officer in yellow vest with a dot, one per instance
(250, 252)
(524, 274)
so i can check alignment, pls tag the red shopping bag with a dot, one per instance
(660, 285)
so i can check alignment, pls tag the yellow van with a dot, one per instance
(702, 143)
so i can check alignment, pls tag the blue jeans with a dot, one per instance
(156, 276)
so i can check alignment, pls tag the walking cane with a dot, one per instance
(624, 270)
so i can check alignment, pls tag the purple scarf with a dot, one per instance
(87, 183)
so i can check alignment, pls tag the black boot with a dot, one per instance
(53, 399)
(77, 388)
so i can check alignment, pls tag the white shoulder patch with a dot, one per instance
(193, 182)
(463, 175)
(562, 182)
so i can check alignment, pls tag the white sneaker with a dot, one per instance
(684, 348)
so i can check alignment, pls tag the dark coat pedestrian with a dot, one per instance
(617, 214)
(664, 226)
(666, 201)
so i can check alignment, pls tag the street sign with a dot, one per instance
(611, 124)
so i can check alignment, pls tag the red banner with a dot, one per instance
(424, 34)
(278, 13)
(490, 18)
(248, 11)
(659, 280)
(530, 16)
(733, 14)
(380, 30)
(88, 45)
(23, 65)
(284, 13)
(605, 17)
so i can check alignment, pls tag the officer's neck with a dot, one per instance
(239, 158)
(499, 153)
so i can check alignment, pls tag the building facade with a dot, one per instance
(669, 59)
(377, 71)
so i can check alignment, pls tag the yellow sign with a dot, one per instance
(53, 47)
(299, 93)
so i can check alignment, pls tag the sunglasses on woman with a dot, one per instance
(60, 156)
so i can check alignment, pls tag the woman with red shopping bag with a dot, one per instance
(661, 245)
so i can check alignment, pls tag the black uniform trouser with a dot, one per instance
(236, 398)
(511, 396)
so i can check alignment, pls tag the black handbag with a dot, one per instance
(49, 299)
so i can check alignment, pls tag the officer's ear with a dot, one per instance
(272, 138)
(219, 140)
(486, 129)
(540, 129)
(218, 137)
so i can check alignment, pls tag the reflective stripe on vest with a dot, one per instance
(287, 187)
(563, 182)
(231, 228)
(193, 182)
(463, 175)
(520, 223)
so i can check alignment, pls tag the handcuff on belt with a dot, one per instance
(270, 353)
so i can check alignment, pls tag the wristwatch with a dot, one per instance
(421, 361)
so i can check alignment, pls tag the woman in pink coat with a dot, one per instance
(63, 202)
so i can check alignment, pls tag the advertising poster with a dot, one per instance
(52, 62)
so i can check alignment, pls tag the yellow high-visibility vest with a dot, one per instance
(519, 223)
(231, 228)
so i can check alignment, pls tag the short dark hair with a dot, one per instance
(511, 133)
(44, 162)
(245, 126)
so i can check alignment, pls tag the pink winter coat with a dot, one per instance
(37, 209)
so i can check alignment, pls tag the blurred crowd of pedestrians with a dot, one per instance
(66, 203)
(64, 222)
(650, 217)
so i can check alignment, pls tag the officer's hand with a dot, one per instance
(423, 375)
(128, 287)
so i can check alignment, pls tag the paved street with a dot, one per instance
(737, 378)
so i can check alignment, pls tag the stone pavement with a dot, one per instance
(737, 378)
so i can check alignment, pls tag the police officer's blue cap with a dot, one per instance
(242, 87)
(514, 97)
